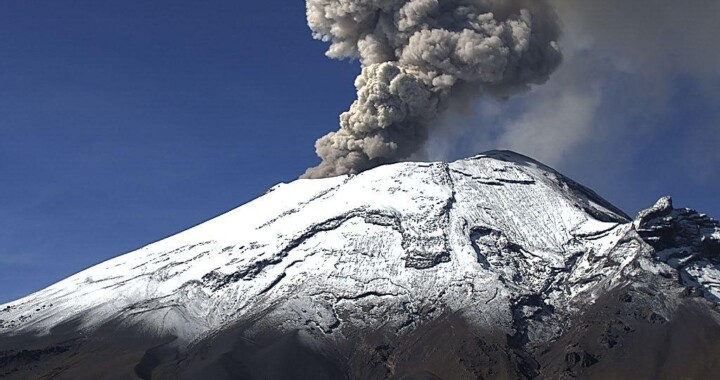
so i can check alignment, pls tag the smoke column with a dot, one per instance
(418, 55)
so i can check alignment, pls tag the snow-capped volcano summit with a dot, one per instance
(513, 249)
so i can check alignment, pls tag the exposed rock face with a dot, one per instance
(687, 241)
(491, 267)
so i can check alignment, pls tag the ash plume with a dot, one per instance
(416, 57)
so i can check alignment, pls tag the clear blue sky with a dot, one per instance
(123, 122)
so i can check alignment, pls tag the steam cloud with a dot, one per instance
(418, 55)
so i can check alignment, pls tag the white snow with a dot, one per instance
(465, 236)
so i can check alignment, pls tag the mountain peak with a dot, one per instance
(421, 214)
(510, 156)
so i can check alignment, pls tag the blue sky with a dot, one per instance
(125, 122)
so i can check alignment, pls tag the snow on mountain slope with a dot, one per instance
(498, 237)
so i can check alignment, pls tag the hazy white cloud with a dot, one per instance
(648, 37)
(553, 125)
(625, 63)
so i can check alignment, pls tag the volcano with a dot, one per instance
(491, 267)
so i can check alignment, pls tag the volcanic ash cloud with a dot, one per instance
(419, 55)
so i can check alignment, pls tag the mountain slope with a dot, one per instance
(399, 271)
